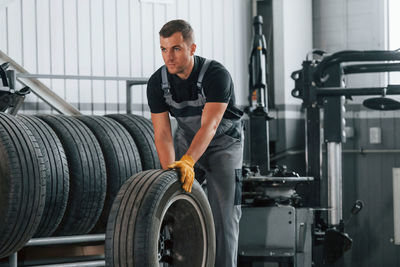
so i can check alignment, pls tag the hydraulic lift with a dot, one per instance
(278, 224)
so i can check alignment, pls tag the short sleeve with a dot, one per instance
(217, 84)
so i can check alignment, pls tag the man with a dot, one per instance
(199, 93)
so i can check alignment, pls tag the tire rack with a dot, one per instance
(46, 241)
(38, 91)
(60, 105)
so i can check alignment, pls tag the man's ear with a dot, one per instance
(192, 49)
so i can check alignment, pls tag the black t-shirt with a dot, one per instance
(217, 87)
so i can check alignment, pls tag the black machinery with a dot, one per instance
(9, 96)
(278, 224)
(321, 86)
(274, 227)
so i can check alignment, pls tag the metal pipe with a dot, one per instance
(293, 152)
(66, 260)
(396, 205)
(335, 215)
(14, 110)
(13, 260)
(339, 91)
(75, 264)
(129, 84)
(65, 240)
(368, 68)
(133, 80)
(128, 98)
(371, 151)
(287, 153)
(354, 56)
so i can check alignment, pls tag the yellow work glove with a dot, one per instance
(185, 166)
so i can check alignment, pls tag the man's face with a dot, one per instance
(177, 54)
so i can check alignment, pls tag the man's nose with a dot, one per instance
(170, 55)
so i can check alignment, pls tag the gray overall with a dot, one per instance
(221, 163)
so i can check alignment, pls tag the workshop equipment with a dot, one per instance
(9, 97)
(273, 227)
(258, 105)
(320, 84)
(278, 224)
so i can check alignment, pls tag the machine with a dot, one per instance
(278, 223)
(274, 227)
(9, 97)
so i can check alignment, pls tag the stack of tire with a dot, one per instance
(74, 175)
(59, 175)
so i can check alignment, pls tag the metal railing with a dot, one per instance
(55, 101)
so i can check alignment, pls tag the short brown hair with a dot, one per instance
(178, 25)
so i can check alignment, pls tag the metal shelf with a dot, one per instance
(62, 240)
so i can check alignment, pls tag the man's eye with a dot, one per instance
(177, 48)
(163, 49)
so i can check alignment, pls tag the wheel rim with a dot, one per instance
(182, 234)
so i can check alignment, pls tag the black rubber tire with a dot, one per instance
(142, 132)
(57, 174)
(22, 185)
(87, 174)
(150, 203)
(121, 156)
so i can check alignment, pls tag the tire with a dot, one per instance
(147, 122)
(153, 222)
(22, 185)
(142, 132)
(87, 175)
(121, 157)
(56, 172)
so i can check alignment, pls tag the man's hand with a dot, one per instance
(185, 166)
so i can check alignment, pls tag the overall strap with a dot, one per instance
(164, 80)
(202, 72)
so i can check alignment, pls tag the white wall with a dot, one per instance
(352, 25)
(118, 38)
(292, 41)
(394, 37)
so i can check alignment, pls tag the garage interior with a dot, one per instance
(318, 81)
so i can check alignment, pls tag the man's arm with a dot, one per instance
(210, 119)
(163, 138)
